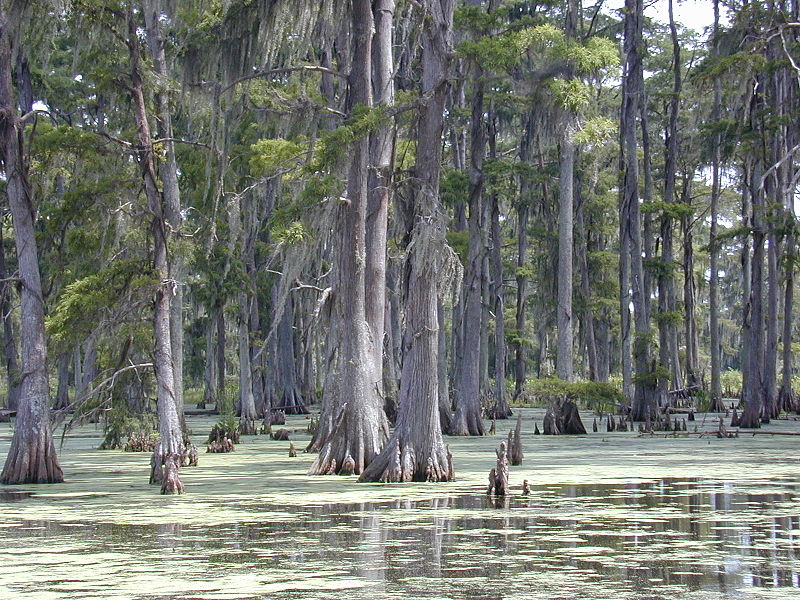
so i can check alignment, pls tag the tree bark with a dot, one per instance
(667, 326)
(167, 455)
(416, 451)
(359, 423)
(630, 216)
(713, 247)
(32, 456)
(247, 401)
(168, 172)
(467, 418)
(381, 154)
(564, 342)
(9, 335)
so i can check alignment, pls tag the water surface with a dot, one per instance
(609, 516)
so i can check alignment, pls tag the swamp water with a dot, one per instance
(609, 516)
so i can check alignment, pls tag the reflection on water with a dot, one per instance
(670, 538)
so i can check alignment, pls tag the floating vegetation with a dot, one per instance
(603, 516)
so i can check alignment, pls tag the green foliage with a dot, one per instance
(595, 395)
(674, 317)
(120, 424)
(79, 307)
(454, 187)
(332, 145)
(571, 94)
(595, 131)
(294, 233)
(269, 155)
(459, 242)
(672, 210)
(730, 381)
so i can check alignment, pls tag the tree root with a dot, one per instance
(32, 458)
(498, 476)
(401, 462)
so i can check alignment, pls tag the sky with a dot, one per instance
(694, 14)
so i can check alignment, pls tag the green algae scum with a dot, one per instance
(609, 516)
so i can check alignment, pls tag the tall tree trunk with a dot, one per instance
(713, 247)
(753, 323)
(667, 324)
(219, 353)
(467, 418)
(168, 172)
(32, 456)
(445, 412)
(247, 401)
(167, 456)
(381, 153)
(210, 365)
(786, 397)
(630, 219)
(522, 295)
(564, 343)
(501, 408)
(689, 293)
(359, 423)
(416, 451)
(588, 316)
(9, 335)
(288, 396)
(62, 392)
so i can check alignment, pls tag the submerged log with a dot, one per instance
(515, 443)
(498, 476)
(562, 418)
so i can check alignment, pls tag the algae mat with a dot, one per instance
(609, 516)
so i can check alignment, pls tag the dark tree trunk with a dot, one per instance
(359, 423)
(588, 315)
(288, 397)
(501, 409)
(247, 402)
(467, 417)
(786, 397)
(753, 327)
(445, 411)
(667, 324)
(689, 293)
(32, 456)
(220, 354)
(713, 248)
(62, 392)
(9, 335)
(630, 216)
(210, 365)
(416, 451)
